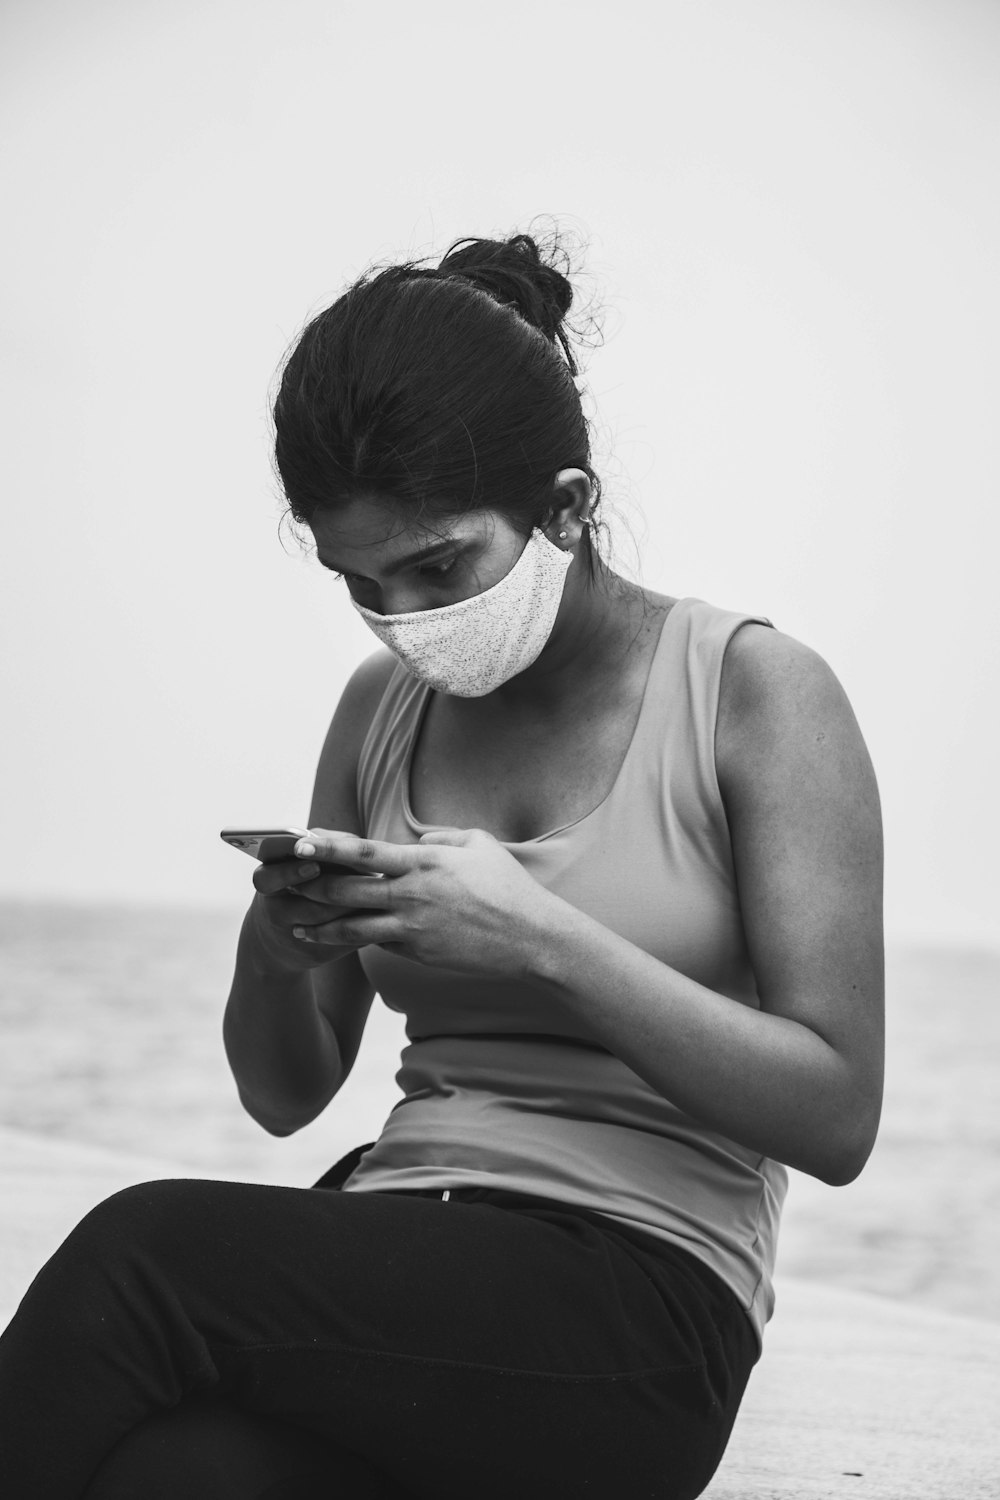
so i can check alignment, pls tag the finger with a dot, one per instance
(369, 855)
(283, 874)
(368, 891)
(458, 838)
(354, 931)
(292, 907)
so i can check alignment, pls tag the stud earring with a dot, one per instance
(563, 535)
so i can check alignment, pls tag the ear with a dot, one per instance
(572, 496)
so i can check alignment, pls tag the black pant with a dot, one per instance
(227, 1341)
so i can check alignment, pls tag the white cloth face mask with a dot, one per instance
(471, 647)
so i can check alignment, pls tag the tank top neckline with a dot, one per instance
(418, 719)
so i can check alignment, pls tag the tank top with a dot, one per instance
(502, 1088)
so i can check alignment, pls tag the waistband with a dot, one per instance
(665, 1253)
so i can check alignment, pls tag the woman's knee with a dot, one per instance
(147, 1213)
(97, 1261)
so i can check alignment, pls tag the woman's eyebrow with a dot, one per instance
(433, 550)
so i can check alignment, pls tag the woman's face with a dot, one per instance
(392, 568)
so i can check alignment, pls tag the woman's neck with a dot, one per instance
(601, 626)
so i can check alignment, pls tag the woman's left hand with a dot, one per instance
(456, 900)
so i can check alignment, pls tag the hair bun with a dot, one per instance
(514, 274)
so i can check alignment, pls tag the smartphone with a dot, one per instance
(265, 844)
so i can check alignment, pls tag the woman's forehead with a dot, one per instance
(375, 527)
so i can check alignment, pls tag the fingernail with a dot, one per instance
(308, 871)
(305, 849)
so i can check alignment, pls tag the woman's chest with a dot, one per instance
(518, 779)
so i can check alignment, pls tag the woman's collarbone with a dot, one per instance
(519, 779)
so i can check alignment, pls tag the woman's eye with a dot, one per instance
(439, 570)
(434, 571)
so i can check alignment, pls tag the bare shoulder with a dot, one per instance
(762, 662)
(781, 705)
(334, 803)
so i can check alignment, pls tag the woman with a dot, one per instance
(617, 857)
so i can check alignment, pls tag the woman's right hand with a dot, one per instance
(278, 907)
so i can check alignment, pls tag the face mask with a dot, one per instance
(471, 647)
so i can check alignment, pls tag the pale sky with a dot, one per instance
(793, 223)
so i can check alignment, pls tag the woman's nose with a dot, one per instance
(399, 598)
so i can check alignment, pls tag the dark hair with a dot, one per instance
(441, 390)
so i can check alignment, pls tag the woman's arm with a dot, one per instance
(800, 1079)
(295, 1017)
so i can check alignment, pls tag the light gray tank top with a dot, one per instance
(503, 1089)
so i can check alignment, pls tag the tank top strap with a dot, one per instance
(676, 727)
(384, 756)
